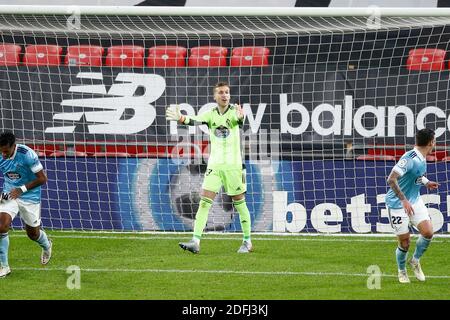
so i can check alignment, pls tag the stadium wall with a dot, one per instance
(133, 194)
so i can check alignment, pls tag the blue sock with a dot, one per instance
(421, 246)
(43, 240)
(400, 255)
(4, 246)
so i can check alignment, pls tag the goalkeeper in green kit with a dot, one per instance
(225, 166)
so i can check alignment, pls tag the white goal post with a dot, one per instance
(332, 96)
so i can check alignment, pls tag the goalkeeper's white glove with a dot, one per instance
(173, 114)
(239, 111)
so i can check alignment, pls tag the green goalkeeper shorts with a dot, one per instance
(233, 181)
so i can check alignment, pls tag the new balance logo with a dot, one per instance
(136, 92)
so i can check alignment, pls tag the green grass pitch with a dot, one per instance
(152, 266)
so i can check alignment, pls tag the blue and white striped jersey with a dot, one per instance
(411, 167)
(20, 169)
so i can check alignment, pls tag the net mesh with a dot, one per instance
(331, 105)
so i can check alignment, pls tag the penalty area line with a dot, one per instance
(231, 237)
(256, 273)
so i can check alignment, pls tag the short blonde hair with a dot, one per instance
(220, 84)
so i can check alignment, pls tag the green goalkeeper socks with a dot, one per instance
(244, 216)
(201, 217)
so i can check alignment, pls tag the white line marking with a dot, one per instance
(231, 237)
(280, 234)
(264, 273)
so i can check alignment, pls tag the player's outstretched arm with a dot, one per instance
(174, 114)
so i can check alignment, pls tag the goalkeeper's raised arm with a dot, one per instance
(236, 117)
(174, 114)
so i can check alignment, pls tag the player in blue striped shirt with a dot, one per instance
(23, 176)
(405, 206)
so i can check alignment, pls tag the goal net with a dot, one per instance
(332, 100)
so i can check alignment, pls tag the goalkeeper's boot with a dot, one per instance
(192, 246)
(415, 265)
(4, 271)
(46, 254)
(246, 247)
(403, 276)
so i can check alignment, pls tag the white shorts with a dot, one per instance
(400, 221)
(28, 211)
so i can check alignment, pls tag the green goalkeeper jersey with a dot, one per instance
(224, 136)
